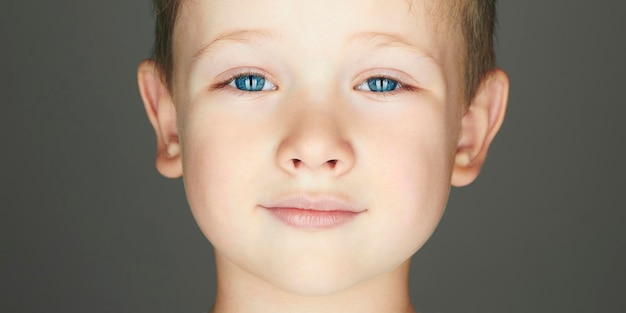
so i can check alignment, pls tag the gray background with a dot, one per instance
(89, 226)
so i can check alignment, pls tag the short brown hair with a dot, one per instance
(478, 19)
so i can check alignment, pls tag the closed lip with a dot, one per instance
(316, 203)
(317, 212)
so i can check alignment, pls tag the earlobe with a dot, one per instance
(480, 124)
(162, 115)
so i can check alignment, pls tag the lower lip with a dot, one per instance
(312, 219)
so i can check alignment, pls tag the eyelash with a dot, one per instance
(402, 87)
(225, 84)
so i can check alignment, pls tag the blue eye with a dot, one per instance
(251, 82)
(379, 84)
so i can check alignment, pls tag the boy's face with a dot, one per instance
(317, 132)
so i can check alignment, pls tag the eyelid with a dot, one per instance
(405, 83)
(365, 82)
(224, 79)
(394, 74)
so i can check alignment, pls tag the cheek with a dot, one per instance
(414, 161)
(220, 160)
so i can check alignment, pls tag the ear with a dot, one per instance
(162, 114)
(480, 124)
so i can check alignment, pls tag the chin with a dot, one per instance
(320, 279)
(315, 284)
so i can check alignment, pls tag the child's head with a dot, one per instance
(318, 140)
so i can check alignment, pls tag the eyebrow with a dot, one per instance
(377, 39)
(240, 36)
(383, 40)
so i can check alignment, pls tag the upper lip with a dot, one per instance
(316, 203)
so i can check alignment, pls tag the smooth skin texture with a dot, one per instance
(317, 129)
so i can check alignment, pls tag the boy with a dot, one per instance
(318, 140)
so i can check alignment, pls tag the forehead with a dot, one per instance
(430, 22)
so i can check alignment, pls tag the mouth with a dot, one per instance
(313, 213)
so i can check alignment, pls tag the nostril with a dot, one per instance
(296, 163)
(332, 163)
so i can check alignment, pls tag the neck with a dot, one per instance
(241, 292)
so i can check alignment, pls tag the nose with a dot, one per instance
(315, 143)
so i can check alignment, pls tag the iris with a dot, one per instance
(381, 84)
(250, 83)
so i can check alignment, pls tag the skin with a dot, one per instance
(317, 131)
